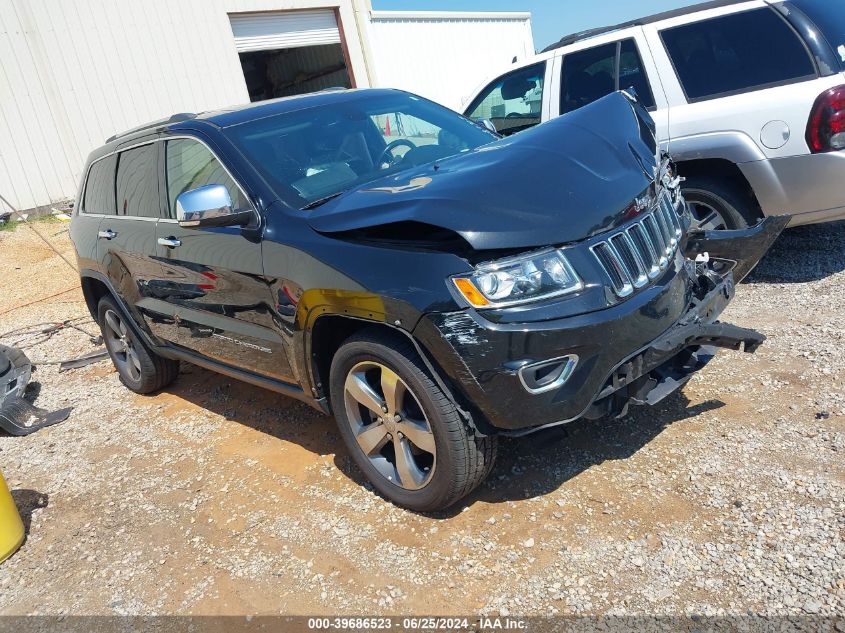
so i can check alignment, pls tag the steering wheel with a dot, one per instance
(387, 155)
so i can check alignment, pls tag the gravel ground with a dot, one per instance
(216, 497)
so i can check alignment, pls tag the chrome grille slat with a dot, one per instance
(626, 249)
(635, 255)
(668, 237)
(651, 225)
(612, 264)
(640, 237)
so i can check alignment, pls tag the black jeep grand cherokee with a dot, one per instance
(391, 262)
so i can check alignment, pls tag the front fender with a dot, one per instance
(746, 247)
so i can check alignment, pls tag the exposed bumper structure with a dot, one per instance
(637, 352)
(18, 416)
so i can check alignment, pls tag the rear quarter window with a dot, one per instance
(736, 53)
(99, 188)
(829, 17)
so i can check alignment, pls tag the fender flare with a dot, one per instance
(735, 147)
(322, 311)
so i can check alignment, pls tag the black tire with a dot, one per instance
(151, 372)
(463, 457)
(736, 209)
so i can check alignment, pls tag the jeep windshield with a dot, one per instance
(310, 156)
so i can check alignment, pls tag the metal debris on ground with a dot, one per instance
(83, 361)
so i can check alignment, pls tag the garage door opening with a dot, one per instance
(286, 53)
(293, 71)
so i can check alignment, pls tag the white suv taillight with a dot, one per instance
(826, 129)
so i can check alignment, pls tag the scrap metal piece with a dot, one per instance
(18, 416)
(83, 361)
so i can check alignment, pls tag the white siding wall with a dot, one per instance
(445, 56)
(74, 72)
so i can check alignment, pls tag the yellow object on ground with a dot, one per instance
(11, 526)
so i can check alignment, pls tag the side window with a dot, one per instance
(735, 53)
(587, 75)
(137, 182)
(632, 74)
(99, 188)
(595, 72)
(191, 165)
(513, 102)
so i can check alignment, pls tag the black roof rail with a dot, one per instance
(657, 17)
(176, 118)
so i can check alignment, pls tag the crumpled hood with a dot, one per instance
(560, 182)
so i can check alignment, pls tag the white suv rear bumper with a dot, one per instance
(809, 187)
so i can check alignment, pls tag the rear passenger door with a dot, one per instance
(213, 278)
(126, 244)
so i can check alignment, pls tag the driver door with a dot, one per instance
(213, 281)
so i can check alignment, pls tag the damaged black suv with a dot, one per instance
(391, 262)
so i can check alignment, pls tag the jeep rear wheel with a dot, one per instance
(139, 368)
(401, 429)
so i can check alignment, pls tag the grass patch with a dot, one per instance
(44, 219)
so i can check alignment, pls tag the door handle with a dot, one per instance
(107, 235)
(170, 242)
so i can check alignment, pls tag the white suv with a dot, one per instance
(748, 97)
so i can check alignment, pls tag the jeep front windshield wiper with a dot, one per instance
(316, 203)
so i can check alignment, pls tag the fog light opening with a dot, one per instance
(548, 374)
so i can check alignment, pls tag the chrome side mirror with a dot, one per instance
(487, 124)
(210, 205)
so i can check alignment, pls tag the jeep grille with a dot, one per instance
(637, 254)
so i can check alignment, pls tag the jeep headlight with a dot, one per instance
(521, 279)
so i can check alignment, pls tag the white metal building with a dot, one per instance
(74, 72)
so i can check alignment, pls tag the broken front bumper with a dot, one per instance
(637, 356)
(19, 416)
(638, 351)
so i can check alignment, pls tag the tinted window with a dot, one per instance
(735, 53)
(632, 74)
(310, 154)
(137, 182)
(587, 75)
(190, 165)
(99, 189)
(513, 102)
(829, 17)
(592, 73)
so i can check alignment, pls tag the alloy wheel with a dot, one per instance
(389, 425)
(120, 343)
(706, 217)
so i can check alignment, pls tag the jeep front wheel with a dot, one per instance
(401, 429)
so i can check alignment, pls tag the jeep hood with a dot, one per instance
(559, 182)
